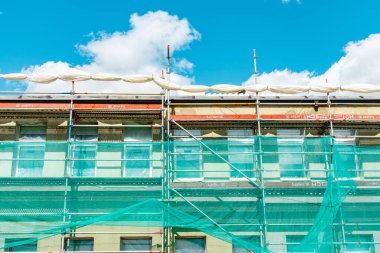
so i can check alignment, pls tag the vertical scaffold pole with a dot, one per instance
(68, 163)
(332, 168)
(255, 73)
(343, 228)
(168, 95)
(262, 203)
(168, 243)
(162, 111)
(263, 229)
(331, 171)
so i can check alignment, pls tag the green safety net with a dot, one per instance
(42, 205)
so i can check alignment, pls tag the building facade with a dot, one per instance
(194, 174)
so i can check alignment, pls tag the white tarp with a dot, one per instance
(105, 77)
(15, 76)
(324, 88)
(256, 87)
(8, 124)
(101, 123)
(137, 78)
(195, 88)
(288, 89)
(226, 88)
(74, 75)
(79, 75)
(42, 78)
(361, 88)
(165, 84)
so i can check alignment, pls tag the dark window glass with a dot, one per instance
(136, 244)
(79, 244)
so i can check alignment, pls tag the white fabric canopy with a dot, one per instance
(361, 88)
(137, 78)
(15, 76)
(79, 75)
(226, 88)
(195, 88)
(256, 87)
(165, 84)
(324, 88)
(74, 75)
(105, 77)
(42, 78)
(288, 89)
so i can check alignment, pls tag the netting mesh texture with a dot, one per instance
(37, 206)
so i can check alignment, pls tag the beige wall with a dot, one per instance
(111, 241)
(274, 109)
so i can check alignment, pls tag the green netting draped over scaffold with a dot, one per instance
(58, 205)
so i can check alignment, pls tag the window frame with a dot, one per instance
(22, 143)
(191, 237)
(350, 139)
(68, 239)
(136, 145)
(292, 140)
(136, 238)
(143, 141)
(19, 239)
(183, 142)
(79, 142)
(243, 142)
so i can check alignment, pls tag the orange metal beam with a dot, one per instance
(117, 107)
(58, 106)
(308, 117)
(214, 117)
(62, 106)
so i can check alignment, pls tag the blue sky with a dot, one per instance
(307, 35)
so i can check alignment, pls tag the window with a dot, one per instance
(360, 243)
(188, 157)
(190, 245)
(31, 151)
(86, 134)
(79, 244)
(241, 153)
(28, 247)
(290, 148)
(142, 134)
(138, 152)
(292, 242)
(255, 239)
(345, 155)
(84, 152)
(136, 244)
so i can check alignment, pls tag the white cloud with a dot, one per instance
(141, 50)
(184, 65)
(289, 1)
(360, 64)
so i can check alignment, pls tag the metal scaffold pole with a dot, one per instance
(68, 163)
(162, 110)
(168, 231)
(333, 174)
(262, 202)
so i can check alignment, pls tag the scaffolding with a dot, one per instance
(159, 200)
